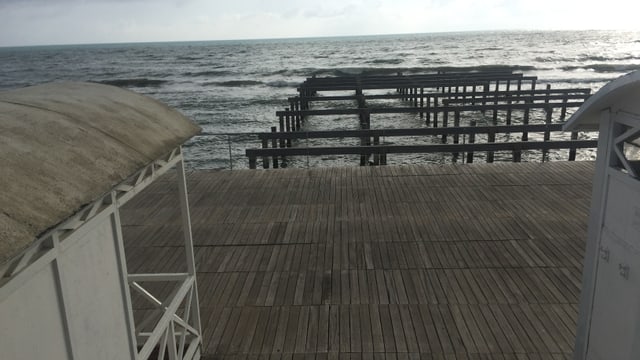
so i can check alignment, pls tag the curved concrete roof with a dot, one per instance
(621, 93)
(64, 145)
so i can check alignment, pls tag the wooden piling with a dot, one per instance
(376, 156)
(495, 102)
(509, 109)
(298, 117)
(472, 140)
(421, 102)
(365, 124)
(525, 121)
(428, 100)
(265, 159)
(445, 121)
(435, 112)
(572, 150)
(563, 112)
(517, 155)
(274, 144)
(456, 137)
(288, 127)
(491, 138)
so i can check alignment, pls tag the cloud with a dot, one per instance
(27, 22)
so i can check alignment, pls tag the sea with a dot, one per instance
(231, 88)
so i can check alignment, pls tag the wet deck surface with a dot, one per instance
(416, 262)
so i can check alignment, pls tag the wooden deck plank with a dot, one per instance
(377, 336)
(419, 262)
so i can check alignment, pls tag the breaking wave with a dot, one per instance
(586, 58)
(207, 73)
(351, 71)
(386, 61)
(139, 82)
(243, 83)
(282, 83)
(604, 68)
(235, 83)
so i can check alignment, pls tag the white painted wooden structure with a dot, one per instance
(71, 156)
(609, 315)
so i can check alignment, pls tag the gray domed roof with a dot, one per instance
(64, 145)
(621, 93)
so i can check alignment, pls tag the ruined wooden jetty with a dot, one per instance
(453, 104)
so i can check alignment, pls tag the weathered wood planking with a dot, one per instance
(413, 262)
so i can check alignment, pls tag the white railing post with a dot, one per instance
(188, 243)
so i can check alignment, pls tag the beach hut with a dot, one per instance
(71, 155)
(609, 313)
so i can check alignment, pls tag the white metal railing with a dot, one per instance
(174, 335)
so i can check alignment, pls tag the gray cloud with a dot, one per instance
(33, 22)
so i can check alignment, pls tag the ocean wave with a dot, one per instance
(235, 83)
(282, 83)
(268, 101)
(279, 72)
(581, 80)
(139, 82)
(353, 71)
(586, 58)
(604, 68)
(189, 58)
(207, 73)
(386, 61)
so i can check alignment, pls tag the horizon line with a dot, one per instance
(304, 37)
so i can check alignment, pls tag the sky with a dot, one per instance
(48, 22)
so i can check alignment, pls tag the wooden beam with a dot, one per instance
(407, 149)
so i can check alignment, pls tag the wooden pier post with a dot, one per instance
(435, 113)
(288, 126)
(376, 156)
(445, 121)
(456, 137)
(473, 95)
(563, 112)
(274, 144)
(365, 124)
(547, 133)
(491, 138)
(485, 90)
(428, 100)
(509, 109)
(472, 140)
(495, 102)
(422, 103)
(525, 121)
(547, 121)
(265, 159)
(517, 154)
(281, 124)
(572, 150)
(298, 116)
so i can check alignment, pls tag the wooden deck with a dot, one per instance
(477, 261)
